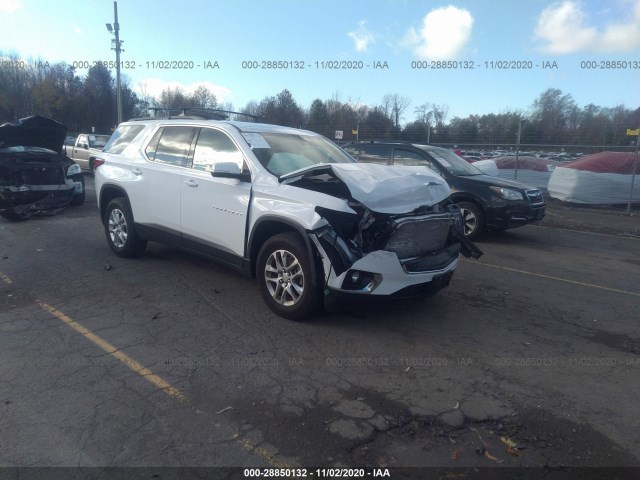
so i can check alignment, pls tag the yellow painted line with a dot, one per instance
(116, 353)
(553, 278)
(154, 379)
(5, 279)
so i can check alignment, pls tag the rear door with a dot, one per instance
(155, 192)
(214, 210)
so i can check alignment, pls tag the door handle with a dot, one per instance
(136, 171)
(191, 183)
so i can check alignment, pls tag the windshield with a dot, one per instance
(281, 153)
(454, 164)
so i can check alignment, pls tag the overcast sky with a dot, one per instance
(398, 32)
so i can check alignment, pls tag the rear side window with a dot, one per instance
(122, 137)
(375, 153)
(171, 145)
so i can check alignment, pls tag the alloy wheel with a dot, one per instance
(469, 220)
(284, 277)
(118, 228)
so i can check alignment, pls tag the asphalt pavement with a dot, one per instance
(530, 358)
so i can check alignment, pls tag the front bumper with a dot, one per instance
(388, 275)
(514, 215)
(34, 198)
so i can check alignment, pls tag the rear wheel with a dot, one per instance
(120, 231)
(284, 274)
(472, 219)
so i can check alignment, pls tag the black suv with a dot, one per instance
(486, 202)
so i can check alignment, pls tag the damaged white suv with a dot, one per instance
(286, 206)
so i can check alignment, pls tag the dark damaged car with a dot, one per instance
(35, 175)
(283, 205)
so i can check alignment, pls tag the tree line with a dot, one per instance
(81, 102)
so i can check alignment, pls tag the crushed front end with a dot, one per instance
(399, 255)
(35, 175)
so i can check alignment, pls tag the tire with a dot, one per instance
(472, 219)
(79, 199)
(120, 231)
(284, 272)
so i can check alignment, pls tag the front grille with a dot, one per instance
(419, 236)
(535, 197)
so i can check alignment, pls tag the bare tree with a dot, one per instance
(394, 105)
(431, 113)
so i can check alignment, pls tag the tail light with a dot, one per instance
(97, 162)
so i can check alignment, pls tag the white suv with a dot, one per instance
(286, 206)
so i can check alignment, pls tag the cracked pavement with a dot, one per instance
(538, 343)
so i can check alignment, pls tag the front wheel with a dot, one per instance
(472, 219)
(120, 231)
(284, 274)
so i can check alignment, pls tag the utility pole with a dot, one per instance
(515, 176)
(117, 46)
(633, 175)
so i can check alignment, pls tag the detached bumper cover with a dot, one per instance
(389, 274)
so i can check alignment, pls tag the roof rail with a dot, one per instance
(405, 142)
(170, 117)
(201, 113)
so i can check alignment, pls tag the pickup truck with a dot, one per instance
(85, 149)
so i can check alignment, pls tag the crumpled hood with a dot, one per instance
(34, 131)
(383, 188)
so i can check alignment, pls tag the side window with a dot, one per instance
(82, 140)
(402, 156)
(173, 145)
(375, 153)
(214, 146)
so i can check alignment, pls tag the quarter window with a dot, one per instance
(214, 146)
(122, 137)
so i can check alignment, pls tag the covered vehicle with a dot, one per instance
(600, 179)
(35, 175)
(531, 170)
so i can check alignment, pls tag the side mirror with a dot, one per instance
(85, 146)
(230, 170)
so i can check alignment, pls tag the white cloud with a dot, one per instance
(8, 6)
(564, 28)
(78, 30)
(361, 37)
(445, 32)
(155, 86)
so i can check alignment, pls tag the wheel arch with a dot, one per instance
(268, 226)
(108, 193)
(465, 197)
